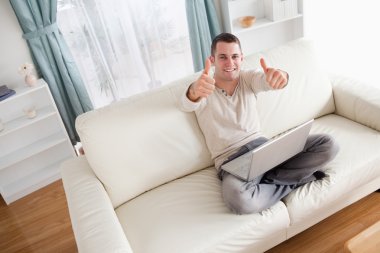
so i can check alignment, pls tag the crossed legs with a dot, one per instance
(264, 191)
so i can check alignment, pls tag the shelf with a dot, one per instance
(31, 149)
(262, 23)
(21, 91)
(28, 151)
(277, 22)
(23, 121)
(30, 183)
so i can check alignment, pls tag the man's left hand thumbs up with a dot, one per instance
(276, 78)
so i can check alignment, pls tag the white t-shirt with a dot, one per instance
(229, 122)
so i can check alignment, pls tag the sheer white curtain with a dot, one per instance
(347, 36)
(123, 47)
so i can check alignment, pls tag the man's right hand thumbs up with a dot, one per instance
(207, 66)
(204, 86)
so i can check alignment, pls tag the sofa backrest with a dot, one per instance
(141, 142)
(307, 95)
(144, 141)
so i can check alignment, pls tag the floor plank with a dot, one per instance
(330, 234)
(40, 223)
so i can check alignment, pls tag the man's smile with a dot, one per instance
(229, 69)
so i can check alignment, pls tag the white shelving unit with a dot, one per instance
(31, 149)
(264, 33)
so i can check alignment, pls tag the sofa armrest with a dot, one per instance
(356, 101)
(94, 221)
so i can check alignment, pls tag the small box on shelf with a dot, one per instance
(280, 9)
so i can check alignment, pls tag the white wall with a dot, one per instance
(13, 48)
(347, 35)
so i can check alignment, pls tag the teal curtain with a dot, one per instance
(203, 27)
(53, 59)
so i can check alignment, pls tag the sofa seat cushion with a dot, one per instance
(188, 215)
(356, 164)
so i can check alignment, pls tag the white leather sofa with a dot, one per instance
(147, 183)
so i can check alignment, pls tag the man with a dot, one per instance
(225, 106)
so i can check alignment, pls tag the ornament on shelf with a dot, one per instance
(30, 80)
(26, 70)
(30, 112)
(246, 21)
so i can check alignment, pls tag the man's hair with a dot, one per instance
(224, 37)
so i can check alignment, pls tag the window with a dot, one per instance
(123, 47)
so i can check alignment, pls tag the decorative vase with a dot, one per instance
(30, 80)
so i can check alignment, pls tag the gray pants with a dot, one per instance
(244, 197)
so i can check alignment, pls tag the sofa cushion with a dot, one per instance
(356, 165)
(307, 95)
(188, 215)
(356, 100)
(139, 143)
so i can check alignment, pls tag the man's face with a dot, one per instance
(227, 61)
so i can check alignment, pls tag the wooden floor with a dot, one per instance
(40, 223)
(330, 234)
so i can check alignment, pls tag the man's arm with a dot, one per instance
(201, 88)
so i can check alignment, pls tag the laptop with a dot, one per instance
(270, 154)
